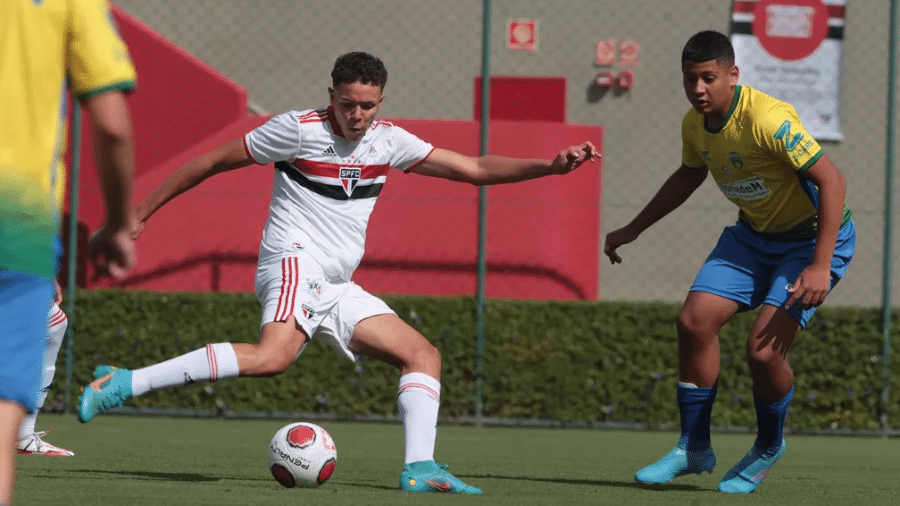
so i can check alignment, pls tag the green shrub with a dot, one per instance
(580, 362)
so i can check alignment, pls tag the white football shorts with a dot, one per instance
(296, 286)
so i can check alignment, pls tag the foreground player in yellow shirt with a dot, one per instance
(45, 46)
(792, 243)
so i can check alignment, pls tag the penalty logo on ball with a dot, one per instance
(302, 455)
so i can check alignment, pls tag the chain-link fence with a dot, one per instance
(281, 52)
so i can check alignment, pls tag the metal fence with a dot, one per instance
(281, 51)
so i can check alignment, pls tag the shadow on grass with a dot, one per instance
(600, 483)
(149, 475)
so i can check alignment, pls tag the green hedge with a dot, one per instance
(573, 362)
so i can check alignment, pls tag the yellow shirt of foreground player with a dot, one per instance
(42, 43)
(757, 159)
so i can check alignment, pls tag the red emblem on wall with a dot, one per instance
(790, 29)
(521, 35)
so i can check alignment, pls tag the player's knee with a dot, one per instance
(689, 323)
(761, 358)
(425, 356)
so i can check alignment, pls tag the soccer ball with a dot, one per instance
(302, 455)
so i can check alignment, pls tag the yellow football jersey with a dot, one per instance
(758, 159)
(45, 47)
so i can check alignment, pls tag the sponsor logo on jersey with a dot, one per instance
(349, 177)
(746, 189)
(314, 289)
(329, 151)
(736, 160)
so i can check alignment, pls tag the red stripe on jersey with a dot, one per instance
(377, 124)
(420, 161)
(332, 119)
(247, 150)
(326, 169)
(213, 363)
(744, 7)
(837, 11)
(317, 116)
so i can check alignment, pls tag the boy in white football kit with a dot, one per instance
(331, 165)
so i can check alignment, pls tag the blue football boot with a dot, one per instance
(677, 462)
(427, 476)
(110, 388)
(747, 474)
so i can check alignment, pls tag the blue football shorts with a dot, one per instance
(752, 269)
(24, 302)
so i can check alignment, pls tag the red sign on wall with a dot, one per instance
(606, 52)
(521, 35)
(630, 52)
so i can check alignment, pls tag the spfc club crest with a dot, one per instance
(349, 179)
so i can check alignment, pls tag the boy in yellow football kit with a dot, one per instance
(45, 46)
(792, 243)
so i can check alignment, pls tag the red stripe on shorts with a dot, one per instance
(289, 277)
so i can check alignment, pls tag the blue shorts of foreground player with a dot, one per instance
(752, 269)
(24, 302)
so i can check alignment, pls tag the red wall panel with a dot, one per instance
(543, 235)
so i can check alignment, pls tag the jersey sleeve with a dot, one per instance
(690, 156)
(98, 59)
(275, 140)
(408, 149)
(782, 135)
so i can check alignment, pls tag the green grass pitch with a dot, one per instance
(132, 461)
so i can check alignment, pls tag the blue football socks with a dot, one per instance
(695, 405)
(770, 422)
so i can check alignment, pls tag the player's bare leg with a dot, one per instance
(278, 347)
(388, 338)
(771, 337)
(11, 414)
(698, 324)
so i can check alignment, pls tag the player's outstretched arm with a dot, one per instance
(814, 282)
(488, 170)
(229, 156)
(674, 192)
(111, 250)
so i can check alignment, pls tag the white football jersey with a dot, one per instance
(326, 186)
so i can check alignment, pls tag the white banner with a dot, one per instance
(792, 50)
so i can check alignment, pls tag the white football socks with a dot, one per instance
(214, 362)
(56, 333)
(419, 397)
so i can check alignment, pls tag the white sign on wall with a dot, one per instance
(792, 50)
